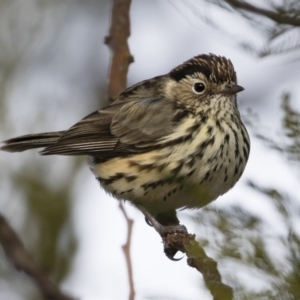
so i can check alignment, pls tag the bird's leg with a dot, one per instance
(170, 226)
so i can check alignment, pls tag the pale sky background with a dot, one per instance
(56, 85)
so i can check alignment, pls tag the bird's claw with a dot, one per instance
(171, 252)
(164, 232)
(148, 222)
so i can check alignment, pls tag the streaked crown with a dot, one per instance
(217, 69)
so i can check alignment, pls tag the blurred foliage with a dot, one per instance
(49, 210)
(24, 31)
(246, 242)
(46, 231)
(278, 21)
(288, 140)
(35, 199)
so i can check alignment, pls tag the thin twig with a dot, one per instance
(120, 61)
(15, 251)
(126, 251)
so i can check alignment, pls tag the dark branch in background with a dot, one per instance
(279, 16)
(120, 61)
(15, 251)
(117, 41)
(281, 37)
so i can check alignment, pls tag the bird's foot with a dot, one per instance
(168, 233)
(165, 230)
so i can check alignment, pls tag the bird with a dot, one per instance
(175, 141)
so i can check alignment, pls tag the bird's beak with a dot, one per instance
(231, 89)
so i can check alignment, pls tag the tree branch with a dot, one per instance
(15, 251)
(198, 259)
(120, 61)
(117, 42)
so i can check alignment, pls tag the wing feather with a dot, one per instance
(119, 129)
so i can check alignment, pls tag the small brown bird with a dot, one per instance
(173, 141)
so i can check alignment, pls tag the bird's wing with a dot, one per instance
(119, 129)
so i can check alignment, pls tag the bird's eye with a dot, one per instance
(199, 87)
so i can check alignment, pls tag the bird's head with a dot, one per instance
(204, 80)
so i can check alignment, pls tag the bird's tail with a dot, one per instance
(31, 141)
